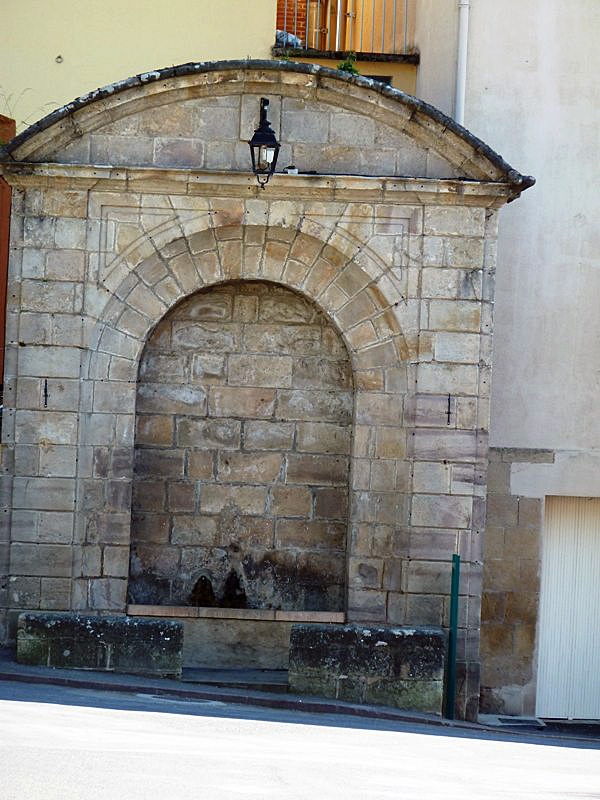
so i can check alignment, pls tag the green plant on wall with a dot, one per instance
(349, 64)
(9, 103)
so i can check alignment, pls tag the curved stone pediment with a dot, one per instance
(201, 115)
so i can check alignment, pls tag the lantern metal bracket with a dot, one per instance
(264, 147)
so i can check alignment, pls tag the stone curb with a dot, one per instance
(10, 670)
(239, 697)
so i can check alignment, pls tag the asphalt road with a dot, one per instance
(70, 744)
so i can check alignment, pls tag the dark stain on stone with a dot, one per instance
(148, 589)
(279, 581)
(228, 578)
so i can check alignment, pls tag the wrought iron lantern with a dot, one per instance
(264, 147)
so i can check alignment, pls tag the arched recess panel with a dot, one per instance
(243, 432)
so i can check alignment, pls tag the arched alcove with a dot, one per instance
(243, 436)
(138, 198)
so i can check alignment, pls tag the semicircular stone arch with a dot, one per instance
(345, 280)
(360, 304)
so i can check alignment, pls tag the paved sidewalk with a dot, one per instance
(208, 685)
(10, 670)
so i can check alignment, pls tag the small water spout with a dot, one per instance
(234, 595)
(203, 594)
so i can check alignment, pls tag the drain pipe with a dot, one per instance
(461, 61)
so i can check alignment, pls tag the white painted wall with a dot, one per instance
(533, 94)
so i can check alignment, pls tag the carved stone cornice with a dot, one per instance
(324, 188)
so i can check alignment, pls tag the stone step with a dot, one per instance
(264, 680)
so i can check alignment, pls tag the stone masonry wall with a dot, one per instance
(401, 266)
(511, 587)
(240, 493)
(213, 133)
(417, 333)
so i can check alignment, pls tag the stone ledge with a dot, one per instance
(400, 666)
(265, 614)
(522, 455)
(207, 183)
(113, 644)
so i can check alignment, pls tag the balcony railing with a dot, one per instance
(361, 26)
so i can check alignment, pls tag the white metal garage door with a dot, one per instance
(568, 684)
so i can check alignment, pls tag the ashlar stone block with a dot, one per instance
(45, 494)
(155, 429)
(45, 427)
(457, 347)
(115, 644)
(429, 577)
(65, 265)
(50, 560)
(447, 251)
(249, 467)
(209, 433)
(291, 501)
(323, 438)
(295, 340)
(55, 594)
(378, 409)
(448, 378)
(268, 435)
(390, 666)
(241, 402)
(47, 296)
(441, 511)
(455, 315)
(309, 534)
(454, 220)
(429, 444)
(257, 370)
(248, 499)
(316, 469)
(324, 406)
(331, 503)
(50, 362)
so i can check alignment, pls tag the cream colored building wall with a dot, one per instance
(544, 119)
(103, 41)
(435, 39)
(404, 76)
(532, 92)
